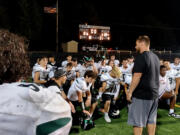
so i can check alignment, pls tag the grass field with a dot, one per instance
(165, 125)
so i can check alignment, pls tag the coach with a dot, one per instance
(143, 92)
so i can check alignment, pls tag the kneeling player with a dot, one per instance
(81, 86)
(108, 91)
(165, 91)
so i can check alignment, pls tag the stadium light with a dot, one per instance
(90, 37)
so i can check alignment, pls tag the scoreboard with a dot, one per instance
(92, 32)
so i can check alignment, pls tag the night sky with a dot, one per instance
(127, 19)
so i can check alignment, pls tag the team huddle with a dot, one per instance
(99, 82)
(89, 82)
(75, 91)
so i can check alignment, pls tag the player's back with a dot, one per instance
(27, 107)
(15, 117)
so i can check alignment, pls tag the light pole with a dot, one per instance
(57, 40)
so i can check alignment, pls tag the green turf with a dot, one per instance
(165, 125)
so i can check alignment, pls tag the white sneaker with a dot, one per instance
(115, 113)
(174, 115)
(107, 119)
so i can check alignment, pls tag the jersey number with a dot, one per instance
(31, 86)
(170, 80)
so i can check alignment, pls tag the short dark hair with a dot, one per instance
(112, 55)
(110, 61)
(176, 57)
(162, 66)
(14, 61)
(51, 56)
(131, 57)
(69, 55)
(90, 73)
(74, 59)
(145, 39)
(42, 57)
(69, 64)
(166, 60)
(125, 59)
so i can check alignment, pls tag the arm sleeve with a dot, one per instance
(103, 78)
(51, 74)
(77, 86)
(36, 69)
(177, 74)
(63, 64)
(42, 96)
(54, 89)
(139, 64)
(85, 87)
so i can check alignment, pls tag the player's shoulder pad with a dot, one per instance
(37, 68)
(104, 77)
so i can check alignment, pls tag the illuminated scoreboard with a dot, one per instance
(92, 32)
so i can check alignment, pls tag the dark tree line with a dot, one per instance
(24, 17)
